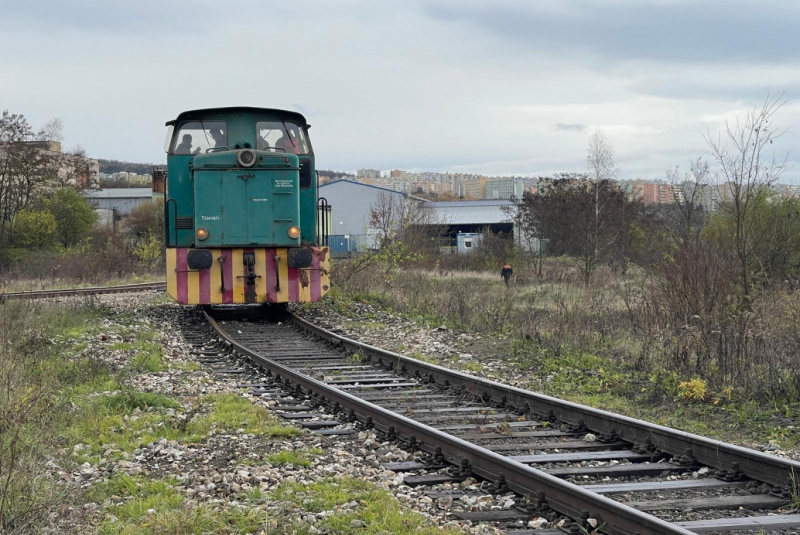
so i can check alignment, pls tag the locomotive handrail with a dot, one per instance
(174, 222)
(322, 228)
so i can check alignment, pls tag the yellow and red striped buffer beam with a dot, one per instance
(226, 281)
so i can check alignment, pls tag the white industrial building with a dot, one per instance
(113, 205)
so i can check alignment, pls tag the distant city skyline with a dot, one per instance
(474, 86)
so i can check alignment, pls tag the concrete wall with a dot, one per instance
(122, 207)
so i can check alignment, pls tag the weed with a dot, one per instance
(145, 357)
(476, 367)
(693, 390)
(144, 506)
(503, 428)
(297, 458)
(417, 355)
(231, 412)
(377, 510)
(129, 400)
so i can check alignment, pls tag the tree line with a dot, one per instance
(704, 286)
(707, 268)
(38, 205)
(117, 166)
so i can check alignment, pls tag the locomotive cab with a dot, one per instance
(241, 208)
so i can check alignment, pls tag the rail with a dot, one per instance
(560, 495)
(721, 455)
(66, 292)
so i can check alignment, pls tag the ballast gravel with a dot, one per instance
(222, 470)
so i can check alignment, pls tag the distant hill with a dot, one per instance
(115, 166)
(333, 175)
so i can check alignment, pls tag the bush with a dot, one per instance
(149, 250)
(74, 216)
(34, 229)
(146, 219)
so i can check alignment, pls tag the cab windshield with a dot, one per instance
(281, 136)
(198, 137)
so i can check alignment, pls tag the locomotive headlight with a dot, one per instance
(294, 232)
(201, 234)
(246, 157)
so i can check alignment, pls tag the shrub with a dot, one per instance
(34, 229)
(694, 390)
(73, 214)
(146, 219)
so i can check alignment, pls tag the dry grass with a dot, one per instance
(618, 317)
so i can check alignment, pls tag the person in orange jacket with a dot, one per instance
(506, 273)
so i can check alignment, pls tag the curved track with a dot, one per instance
(67, 292)
(499, 433)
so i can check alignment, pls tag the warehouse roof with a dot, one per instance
(119, 193)
(359, 184)
(472, 212)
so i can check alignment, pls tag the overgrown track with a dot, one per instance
(463, 421)
(43, 294)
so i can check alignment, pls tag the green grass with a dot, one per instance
(187, 366)
(232, 412)
(417, 355)
(379, 512)
(472, 366)
(129, 401)
(128, 420)
(297, 458)
(143, 506)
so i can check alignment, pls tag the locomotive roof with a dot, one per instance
(284, 114)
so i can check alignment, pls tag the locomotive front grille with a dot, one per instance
(184, 223)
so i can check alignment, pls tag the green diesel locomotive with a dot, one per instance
(241, 209)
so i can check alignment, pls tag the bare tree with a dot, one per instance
(566, 216)
(403, 227)
(527, 231)
(75, 169)
(748, 167)
(691, 192)
(404, 219)
(25, 169)
(53, 130)
(601, 167)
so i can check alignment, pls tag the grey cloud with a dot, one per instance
(705, 30)
(139, 16)
(676, 87)
(570, 127)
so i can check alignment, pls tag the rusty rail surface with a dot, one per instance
(66, 292)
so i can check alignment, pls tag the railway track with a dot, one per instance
(43, 294)
(535, 446)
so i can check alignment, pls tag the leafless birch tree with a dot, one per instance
(748, 167)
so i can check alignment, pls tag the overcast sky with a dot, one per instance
(494, 86)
